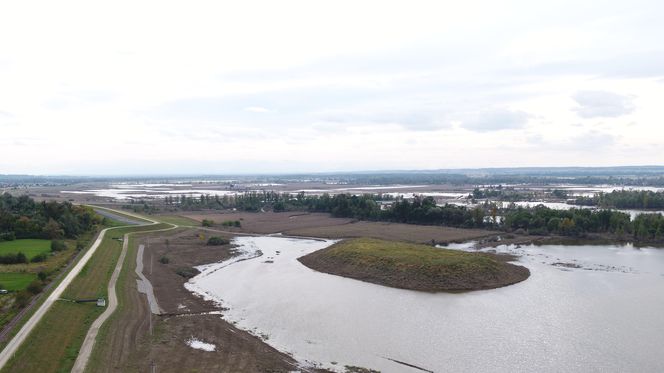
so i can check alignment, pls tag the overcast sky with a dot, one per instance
(299, 86)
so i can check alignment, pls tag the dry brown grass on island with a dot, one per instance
(415, 267)
(325, 226)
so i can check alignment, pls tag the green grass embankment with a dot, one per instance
(414, 266)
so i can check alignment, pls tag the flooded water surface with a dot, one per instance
(584, 309)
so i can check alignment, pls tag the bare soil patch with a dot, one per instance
(325, 226)
(393, 231)
(269, 222)
(128, 345)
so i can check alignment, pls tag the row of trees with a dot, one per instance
(22, 217)
(573, 222)
(501, 193)
(625, 199)
(539, 220)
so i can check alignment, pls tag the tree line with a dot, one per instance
(624, 199)
(538, 220)
(22, 217)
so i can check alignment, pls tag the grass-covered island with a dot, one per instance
(416, 267)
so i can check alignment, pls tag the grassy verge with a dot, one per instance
(414, 266)
(124, 287)
(128, 215)
(54, 343)
(177, 220)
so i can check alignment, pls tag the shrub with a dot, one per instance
(13, 258)
(80, 245)
(35, 287)
(216, 241)
(39, 258)
(539, 231)
(7, 236)
(187, 272)
(164, 260)
(42, 275)
(207, 223)
(22, 298)
(231, 223)
(58, 245)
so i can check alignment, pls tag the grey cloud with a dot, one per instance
(496, 120)
(602, 104)
(584, 142)
(591, 141)
(412, 119)
(623, 65)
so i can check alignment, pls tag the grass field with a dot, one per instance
(29, 247)
(54, 343)
(16, 281)
(396, 255)
(414, 266)
(54, 265)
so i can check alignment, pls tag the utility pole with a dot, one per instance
(153, 367)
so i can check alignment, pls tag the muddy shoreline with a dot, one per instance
(134, 342)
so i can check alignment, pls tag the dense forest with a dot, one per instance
(624, 199)
(22, 217)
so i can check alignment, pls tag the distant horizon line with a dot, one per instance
(652, 168)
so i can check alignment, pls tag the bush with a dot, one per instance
(232, 223)
(217, 241)
(539, 231)
(164, 260)
(58, 245)
(187, 272)
(7, 236)
(22, 298)
(207, 223)
(39, 258)
(42, 275)
(13, 258)
(80, 245)
(35, 287)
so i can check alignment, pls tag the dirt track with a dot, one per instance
(129, 345)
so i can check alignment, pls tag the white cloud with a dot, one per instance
(602, 104)
(256, 109)
(496, 120)
(397, 86)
